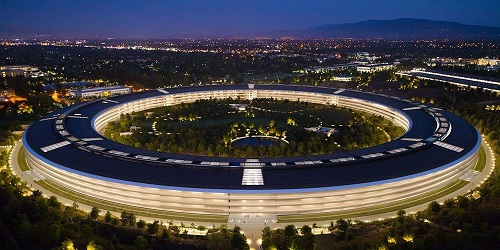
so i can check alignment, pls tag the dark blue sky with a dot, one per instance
(162, 18)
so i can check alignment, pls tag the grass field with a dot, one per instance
(373, 210)
(21, 160)
(481, 160)
(113, 206)
(205, 123)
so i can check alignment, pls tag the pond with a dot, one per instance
(255, 141)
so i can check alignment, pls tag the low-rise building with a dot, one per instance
(239, 106)
(18, 70)
(449, 61)
(368, 68)
(100, 91)
(342, 78)
(488, 62)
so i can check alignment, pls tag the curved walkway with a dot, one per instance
(253, 228)
(475, 180)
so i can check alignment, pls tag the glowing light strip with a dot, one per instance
(46, 119)
(457, 77)
(411, 139)
(412, 108)
(92, 139)
(74, 116)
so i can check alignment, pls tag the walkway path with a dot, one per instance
(253, 224)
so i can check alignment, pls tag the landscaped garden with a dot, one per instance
(257, 128)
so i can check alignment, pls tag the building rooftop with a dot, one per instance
(108, 88)
(415, 153)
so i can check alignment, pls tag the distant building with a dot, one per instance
(99, 91)
(239, 106)
(448, 61)
(342, 78)
(365, 56)
(19, 70)
(325, 69)
(488, 62)
(368, 68)
(459, 79)
(325, 130)
(362, 55)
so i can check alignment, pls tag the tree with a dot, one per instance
(115, 221)
(94, 213)
(67, 245)
(290, 232)
(128, 219)
(306, 230)
(154, 227)
(108, 217)
(449, 203)
(115, 240)
(37, 193)
(455, 225)
(401, 213)
(53, 202)
(87, 232)
(342, 225)
(462, 202)
(75, 206)
(430, 241)
(324, 242)
(238, 240)
(349, 236)
(308, 238)
(266, 232)
(218, 241)
(141, 224)
(93, 246)
(165, 233)
(69, 213)
(434, 207)
(141, 243)
(401, 216)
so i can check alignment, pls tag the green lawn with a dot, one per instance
(205, 123)
(481, 160)
(21, 160)
(379, 209)
(113, 206)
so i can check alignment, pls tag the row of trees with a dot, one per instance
(208, 136)
(35, 222)
(460, 223)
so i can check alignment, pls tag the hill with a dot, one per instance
(402, 28)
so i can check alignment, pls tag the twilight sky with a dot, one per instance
(163, 18)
